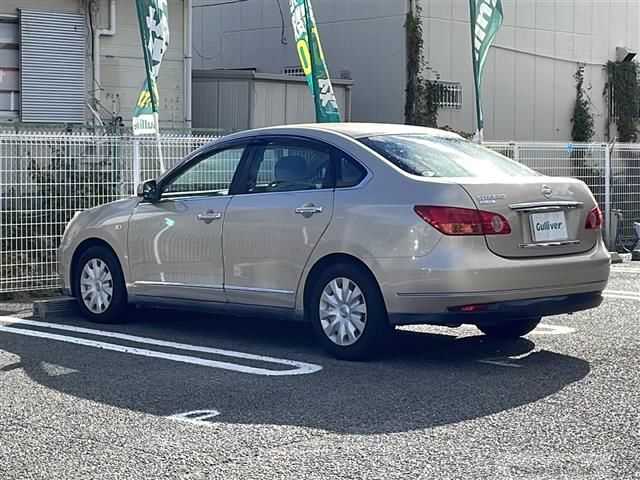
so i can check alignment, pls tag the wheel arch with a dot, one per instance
(324, 262)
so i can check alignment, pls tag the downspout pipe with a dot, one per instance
(97, 33)
(188, 61)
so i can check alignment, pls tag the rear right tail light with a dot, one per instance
(594, 220)
(463, 221)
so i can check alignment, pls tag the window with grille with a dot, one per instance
(448, 94)
(293, 71)
(9, 69)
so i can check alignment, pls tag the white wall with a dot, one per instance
(528, 96)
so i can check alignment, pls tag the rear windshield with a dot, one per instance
(431, 156)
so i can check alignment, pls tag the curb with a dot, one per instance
(54, 307)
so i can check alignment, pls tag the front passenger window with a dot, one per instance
(282, 166)
(212, 175)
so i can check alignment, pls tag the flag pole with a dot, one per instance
(151, 84)
(160, 157)
(478, 137)
(310, 43)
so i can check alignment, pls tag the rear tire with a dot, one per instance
(347, 312)
(510, 329)
(99, 286)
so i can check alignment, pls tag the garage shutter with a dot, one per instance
(52, 67)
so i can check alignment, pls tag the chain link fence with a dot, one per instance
(46, 178)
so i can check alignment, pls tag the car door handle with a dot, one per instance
(308, 209)
(209, 217)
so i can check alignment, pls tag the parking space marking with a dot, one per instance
(548, 329)
(198, 417)
(298, 368)
(622, 294)
(626, 270)
(500, 363)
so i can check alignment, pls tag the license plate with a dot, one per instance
(548, 227)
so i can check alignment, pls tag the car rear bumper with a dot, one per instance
(460, 272)
(495, 313)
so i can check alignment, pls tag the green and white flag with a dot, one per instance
(154, 34)
(486, 20)
(312, 61)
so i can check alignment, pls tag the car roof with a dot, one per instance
(354, 130)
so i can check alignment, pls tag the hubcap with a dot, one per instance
(343, 311)
(96, 285)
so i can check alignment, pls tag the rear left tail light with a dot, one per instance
(463, 221)
(594, 220)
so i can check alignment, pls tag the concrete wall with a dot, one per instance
(365, 37)
(122, 64)
(529, 94)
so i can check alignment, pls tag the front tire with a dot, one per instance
(348, 313)
(510, 329)
(99, 286)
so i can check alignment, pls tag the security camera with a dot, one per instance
(623, 54)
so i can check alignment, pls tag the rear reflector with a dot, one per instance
(594, 220)
(463, 221)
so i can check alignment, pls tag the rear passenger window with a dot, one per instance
(350, 173)
(288, 166)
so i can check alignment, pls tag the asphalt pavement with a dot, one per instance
(179, 395)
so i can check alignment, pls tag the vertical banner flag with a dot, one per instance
(312, 61)
(486, 20)
(154, 34)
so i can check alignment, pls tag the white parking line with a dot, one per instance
(626, 270)
(196, 416)
(548, 329)
(622, 294)
(299, 368)
(500, 363)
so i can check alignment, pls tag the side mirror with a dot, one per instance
(148, 190)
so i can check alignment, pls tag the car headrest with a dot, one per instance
(291, 168)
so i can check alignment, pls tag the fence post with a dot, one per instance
(516, 152)
(607, 196)
(136, 165)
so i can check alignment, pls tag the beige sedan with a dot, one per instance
(353, 227)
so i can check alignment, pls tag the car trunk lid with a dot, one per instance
(547, 215)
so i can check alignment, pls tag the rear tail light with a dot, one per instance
(463, 221)
(594, 220)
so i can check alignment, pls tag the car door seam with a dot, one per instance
(313, 250)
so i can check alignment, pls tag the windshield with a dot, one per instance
(430, 156)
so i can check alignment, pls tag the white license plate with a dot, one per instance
(548, 227)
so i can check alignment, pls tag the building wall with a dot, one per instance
(527, 95)
(232, 100)
(365, 37)
(122, 64)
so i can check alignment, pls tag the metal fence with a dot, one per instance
(612, 172)
(46, 178)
